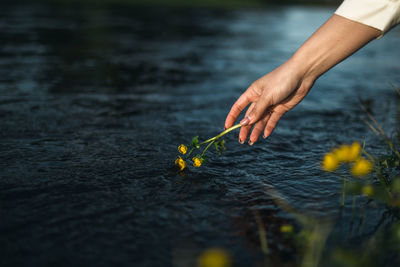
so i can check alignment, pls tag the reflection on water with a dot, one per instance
(94, 101)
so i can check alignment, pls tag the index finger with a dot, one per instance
(236, 109)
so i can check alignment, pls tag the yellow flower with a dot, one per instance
(214, 257)
(197, 162)
(361, 167)
(330, 162)
(342, 153)
(287, 228)
(354, 152)
(368, 190)
(346, 153)
(181, 163)
(182, 149)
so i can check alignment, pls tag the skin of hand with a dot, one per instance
(277, 92)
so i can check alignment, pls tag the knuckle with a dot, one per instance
(253, 85)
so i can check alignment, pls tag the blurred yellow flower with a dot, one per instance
(330, 162)
(182, 149)
(180, 163)
(354, 152)
(286, 228)
(342, 153)
(361, 167)
(214, 257)
(368, 190)
(197, 162)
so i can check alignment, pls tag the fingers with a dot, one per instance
(258, 111)
(266, 124)
(245, 130)
(258, 129)
(272, 122)
(236, 109)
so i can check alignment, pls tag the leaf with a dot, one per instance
(195, 142)
(389, 161)
(223, 145)
(220, 146)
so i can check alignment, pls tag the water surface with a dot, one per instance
(95, 100)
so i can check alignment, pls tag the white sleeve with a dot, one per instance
(379, 14)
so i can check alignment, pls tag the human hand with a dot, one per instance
(277, 92)
(270, 97)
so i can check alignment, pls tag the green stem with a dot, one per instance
(368, 155)
(353, 208)
(343, 190)
(221, 134)
(262, 233)
(204, 151)
(385, 184)
(362, 217)
(190, 152)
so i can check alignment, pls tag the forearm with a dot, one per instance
(277, 92)
(334, 41)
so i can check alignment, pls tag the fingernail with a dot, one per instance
(264, 136)
(245, 121)
(240, 141)
(224, 128)
(251, 143)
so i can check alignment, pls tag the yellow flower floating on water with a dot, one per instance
(180, 163)
(197, 162)
(361, 167)
(182, 149)
(195, 144)
(214, 257)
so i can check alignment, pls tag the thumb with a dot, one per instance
(258, 111)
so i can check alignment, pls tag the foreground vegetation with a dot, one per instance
(370, 182)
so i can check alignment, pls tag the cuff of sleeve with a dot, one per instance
(379, 14)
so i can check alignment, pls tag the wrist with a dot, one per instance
(302, 69)
(334, 41)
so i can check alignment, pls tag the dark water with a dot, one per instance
(94, 101)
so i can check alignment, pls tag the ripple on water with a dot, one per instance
(94, 103)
